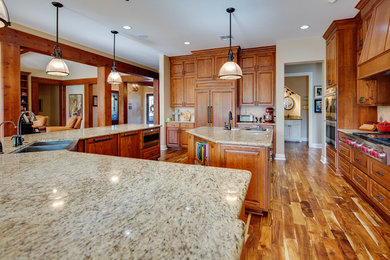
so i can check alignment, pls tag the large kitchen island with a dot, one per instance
(238, 149)
(71, 205)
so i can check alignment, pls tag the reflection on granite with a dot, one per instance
(76, 134)
(235, 136)
(68, 205)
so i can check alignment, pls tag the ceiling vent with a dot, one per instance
(225, 37)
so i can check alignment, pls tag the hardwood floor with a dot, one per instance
(315, 214)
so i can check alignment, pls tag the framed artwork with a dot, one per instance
(317, 106)
(94, 101)
(75, 105)
(318, 91)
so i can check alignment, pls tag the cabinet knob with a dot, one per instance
(381, 174)
(361, 100)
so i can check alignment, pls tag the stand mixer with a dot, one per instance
(269, 115)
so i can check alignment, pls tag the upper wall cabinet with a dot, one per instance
(375, 56)
(182, 81)
(209, 62)
(257, 86)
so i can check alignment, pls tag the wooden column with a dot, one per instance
(104, 97)
(9, 86)
(156, 97)
(62, 105)
(88, 99)
(123, 103)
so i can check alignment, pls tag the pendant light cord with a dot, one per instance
(57, 28)
(114, 52)
(230, 53)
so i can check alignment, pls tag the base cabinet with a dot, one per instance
(177, 136)
(106, 145)
(129, 145)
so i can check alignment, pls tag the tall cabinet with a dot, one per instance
(182, 81)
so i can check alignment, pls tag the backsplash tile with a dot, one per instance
(384, 113)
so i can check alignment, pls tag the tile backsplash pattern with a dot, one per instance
(182, 110)
(384, 113)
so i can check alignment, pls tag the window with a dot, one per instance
(149, 109)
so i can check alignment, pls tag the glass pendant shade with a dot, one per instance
(230, 70)
(4, 17)
(114, 77)
(57, 67)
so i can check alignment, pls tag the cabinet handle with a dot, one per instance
(343, 150)
(381, 174)
(358, 160)
(342, 166)
(102, 139)
(208, 114)
(359, 180)
(379, 197)
(130, 134)
(361, 43)
(211, 114)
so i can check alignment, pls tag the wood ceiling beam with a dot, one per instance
(143, 83)
(45, 46)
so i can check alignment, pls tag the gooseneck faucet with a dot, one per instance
(2, 123)
(229, 126)
(18, 137)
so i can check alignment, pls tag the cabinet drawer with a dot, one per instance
(187, 125)
(331, 156)
(342, 137)
(360, 179)
(345, 150)
(151, 153)
(380, 196)
(173, 125)
(344, 167)
(380, 173)
(360, 160)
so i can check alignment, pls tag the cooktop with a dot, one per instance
(378, 138)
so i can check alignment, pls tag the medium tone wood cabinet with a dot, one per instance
(374, 92)
(182, 81)
(331, 60)
(129, 145)
(257, 85)
(107, 145)
(177, 135)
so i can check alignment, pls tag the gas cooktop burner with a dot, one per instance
(378, 138)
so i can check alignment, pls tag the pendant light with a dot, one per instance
(4, 17)
(57, 66)
(114, 77)
(230, 70)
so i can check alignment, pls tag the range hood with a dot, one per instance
(375, 57)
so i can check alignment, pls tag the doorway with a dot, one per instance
(149, 108)
(48, 103)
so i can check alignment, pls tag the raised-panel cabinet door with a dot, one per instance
(106, 145)
(184, 137)
(129, 145)
(177, 92)
(248, 62)
(222, 101)
(189, 68)
(265, 87)
(202, 110)
(366, 92)
(177, 69)
(205, 68)
(265, 62)
(247, 88)
(219, 61)
(189, 91)
(173, 139)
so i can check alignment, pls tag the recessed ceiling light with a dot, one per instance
(332, 1)
(305, 26)
(126, 27)
(187, 43)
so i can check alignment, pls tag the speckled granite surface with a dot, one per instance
(68, 205)
(351, 131)
(74, 134)
(236, 136)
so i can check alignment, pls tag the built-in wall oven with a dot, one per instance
(150, 137)
(331, 117)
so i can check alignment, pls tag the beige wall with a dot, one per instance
(49, 96)
(384, 113)
(137, 104)
(165, 98)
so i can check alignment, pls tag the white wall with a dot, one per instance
(76, 89)
(289, 52)
(165, 98)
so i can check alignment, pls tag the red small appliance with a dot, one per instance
(269, 115)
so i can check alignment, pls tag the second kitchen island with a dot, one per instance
(237, 149)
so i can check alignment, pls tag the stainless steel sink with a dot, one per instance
(47, 146)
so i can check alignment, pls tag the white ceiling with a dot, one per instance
(168, 23)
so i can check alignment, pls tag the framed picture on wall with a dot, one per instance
(318, 91)
(317, 106)
(75, 105)
(94, 101)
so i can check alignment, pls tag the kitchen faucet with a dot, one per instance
(2, 123)
(229, 126)
(18, 140)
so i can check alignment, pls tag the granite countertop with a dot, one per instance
(236, 136)
(185, 122)
(351, 131)
(254, 123)
(69, 205)
(76, 134)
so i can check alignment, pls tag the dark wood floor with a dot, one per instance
(315, 214)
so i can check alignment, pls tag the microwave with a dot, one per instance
(246, 118)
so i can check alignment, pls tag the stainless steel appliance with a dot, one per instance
(246, 118)
(331, 117)
(150, 137)
(375, 145)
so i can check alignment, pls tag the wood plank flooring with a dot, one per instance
(315, 214)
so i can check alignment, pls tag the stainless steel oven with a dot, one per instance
(331, 133)
(331, 104)
(150, 137)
